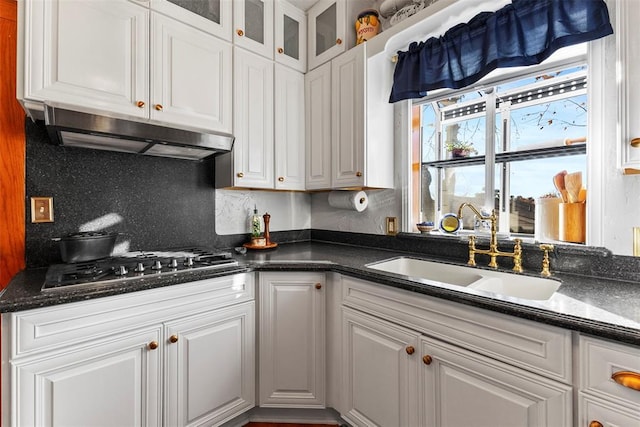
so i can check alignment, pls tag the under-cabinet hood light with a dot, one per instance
(91, 129)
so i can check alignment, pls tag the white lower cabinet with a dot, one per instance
(116, 381)
(609, 384)
(105, 362)
(396, 373)
(292, 340)
(380, 372)
(461, 388)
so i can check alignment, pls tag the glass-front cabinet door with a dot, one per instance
(212, 16)
(290, 36)
(327, 23)
(253, 26)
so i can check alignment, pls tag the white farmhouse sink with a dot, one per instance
(514, 285)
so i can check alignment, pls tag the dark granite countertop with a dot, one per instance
(598, 306)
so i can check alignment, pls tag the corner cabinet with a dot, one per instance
(121, 57)
(359, 127)
(106, 361)
(292, 340)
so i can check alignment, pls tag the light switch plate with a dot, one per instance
(636, 241)
(41, 209)
(392, 225)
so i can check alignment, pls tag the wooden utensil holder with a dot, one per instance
(572, 222)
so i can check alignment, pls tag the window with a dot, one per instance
(498, 146)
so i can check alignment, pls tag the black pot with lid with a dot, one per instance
(86, 245)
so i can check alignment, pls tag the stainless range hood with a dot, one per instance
(116, 133)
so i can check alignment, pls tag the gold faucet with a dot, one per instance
(493, 250)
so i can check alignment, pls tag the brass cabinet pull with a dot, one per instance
(153, 345)
(358, 174)
(339, 41)
(140, 104)
(240, 32)
(318, 286)
(280, 50)
(173, 339)
(427, 359)
(159, 107)
(410, 350)
(635, 142)
(628, 379)
(281, 178)
(240, 175)
(595, 423)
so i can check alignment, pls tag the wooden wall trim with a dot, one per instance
(12, 152)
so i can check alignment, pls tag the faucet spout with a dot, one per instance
(493, 250)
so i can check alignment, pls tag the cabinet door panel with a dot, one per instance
(253, 22)
(380, 379)
(318, 127)
(462, 388)
(290, 36)
(253, 120)
(292, 337)
(289, 129)
(347, 74)
(88, 53)
(327, 20)
(210, 368)
(191, 77)
(114, 383)
(212, 16)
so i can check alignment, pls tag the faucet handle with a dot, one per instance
(546, 248)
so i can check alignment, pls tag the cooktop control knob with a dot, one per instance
(139, 268)
(173, 263)
(121, 271)
(189, 261)
(157, 265)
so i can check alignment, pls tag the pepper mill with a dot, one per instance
(267, 237)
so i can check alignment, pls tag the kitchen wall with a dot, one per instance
(155, 202)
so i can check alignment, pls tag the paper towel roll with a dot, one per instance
(352, 200)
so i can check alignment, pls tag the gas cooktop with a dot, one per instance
(134, 265)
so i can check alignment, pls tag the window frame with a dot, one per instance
(574, 56)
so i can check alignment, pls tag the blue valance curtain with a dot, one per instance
(525, 32)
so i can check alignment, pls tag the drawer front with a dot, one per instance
(537, 347)
(599, 361)
(58, 326)
(606, 413)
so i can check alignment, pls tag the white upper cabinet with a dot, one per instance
(253, 26)
(191, 76)
(290, 36)
(253, 150)
(119, 57)
(211, 16)
(93, 54)
(327, 31)
(317, 92)
(289, 129)
(628, 49)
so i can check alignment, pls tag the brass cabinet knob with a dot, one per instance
(595, 423)
(240, 175)
(280, 50)
(140, 104)
(173, 339)
(635, 142)
(339, 41)
(153, 345)
(318, 286)
(240, 32)
(281, 178)
(427, 359)
(627, 379)
(410, 350)
(358, 174)
(159, 107)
